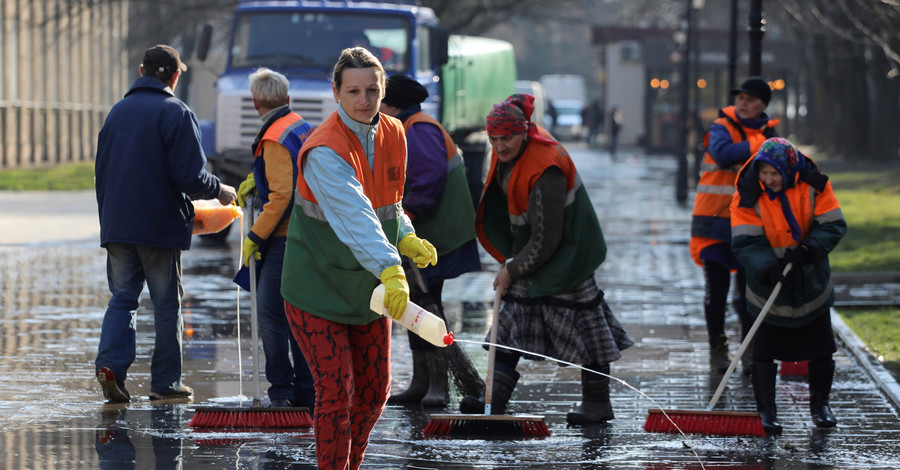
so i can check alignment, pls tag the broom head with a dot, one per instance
(486, 426)
(251, 418)
(717, 423)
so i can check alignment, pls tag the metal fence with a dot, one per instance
(64, 63)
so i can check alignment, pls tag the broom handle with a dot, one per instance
(254, 327)
(492, 355)
(746, 342)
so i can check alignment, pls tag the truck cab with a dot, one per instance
(302, 40)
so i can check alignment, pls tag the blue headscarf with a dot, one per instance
(781, 154)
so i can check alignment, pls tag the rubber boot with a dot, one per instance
(502, 391)
(438, 387)
(595, 406)
(763, 378)
(821, 375)
(740, 305)
(718, 355)
(418, 385)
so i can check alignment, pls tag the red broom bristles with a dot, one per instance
(257, 418)
(721, 423)
(484, 426)
(798, 368)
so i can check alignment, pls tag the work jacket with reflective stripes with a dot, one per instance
(282, 135)
(711, 224)
(502, 221)
(321, 276)
(451, 224)
(761, 235)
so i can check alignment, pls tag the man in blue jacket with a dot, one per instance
(149, 165)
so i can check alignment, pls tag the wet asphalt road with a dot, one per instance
(53, 294)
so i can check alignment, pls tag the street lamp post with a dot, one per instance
(681, 176)
(756, 29)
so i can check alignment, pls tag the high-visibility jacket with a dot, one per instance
(321, 276)
(451, 224)
(502, 222)
(711, 223)
(761, 236)
(290, 131)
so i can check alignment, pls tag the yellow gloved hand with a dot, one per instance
(396, 291)
(250, 248)
(246, 188)
(418, 249)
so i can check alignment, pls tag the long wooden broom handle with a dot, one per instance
(254, 326)
(746, 342)
(492, 355)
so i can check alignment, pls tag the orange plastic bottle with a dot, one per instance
(210, 216)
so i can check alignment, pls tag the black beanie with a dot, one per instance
(755, 86)
(403, 92)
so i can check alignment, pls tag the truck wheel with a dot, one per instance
(218, 237)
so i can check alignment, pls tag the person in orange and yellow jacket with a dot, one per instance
(347, 231)
(784, 211)
(730, 141)
(536, 219)
(273, 178)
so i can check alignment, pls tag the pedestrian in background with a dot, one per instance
(438, 201)
(784, 211)
(616, 122)
(346, 232)
(537, 220)
(148, 167)
(272, 180)
(730, 141)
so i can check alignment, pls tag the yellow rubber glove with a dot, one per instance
(396, 291)
(420, 250)
(246, 188)
(250, 248)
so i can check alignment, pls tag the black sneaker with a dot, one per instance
(113, 390)
(183, 391)
(281, 403)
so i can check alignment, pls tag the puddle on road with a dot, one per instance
(52, 414)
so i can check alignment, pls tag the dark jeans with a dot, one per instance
(128, 268)
(286, 368)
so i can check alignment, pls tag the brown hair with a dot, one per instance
(356, 58)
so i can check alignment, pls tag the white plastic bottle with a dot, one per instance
(416, 319)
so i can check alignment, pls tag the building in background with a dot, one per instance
(62, 66)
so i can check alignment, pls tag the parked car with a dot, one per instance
(568, 125)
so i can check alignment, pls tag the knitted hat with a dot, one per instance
(404, 92)
(755, 86)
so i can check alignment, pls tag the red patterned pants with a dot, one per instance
(351, 368)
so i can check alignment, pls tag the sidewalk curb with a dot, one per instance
(875, 369)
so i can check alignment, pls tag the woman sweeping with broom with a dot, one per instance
(785, 212)
(535, 217)
(347, 230)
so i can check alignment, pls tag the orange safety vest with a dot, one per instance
(711, 216)
(321, 276)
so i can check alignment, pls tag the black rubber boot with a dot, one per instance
(502, 391)
(438, 388)
(763, 377)
(821, 376)
(718, 355)
(595, 406)
(418, 385)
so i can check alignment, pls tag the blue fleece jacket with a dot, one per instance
(149, 165)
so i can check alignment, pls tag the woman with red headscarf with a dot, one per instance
(536, 219)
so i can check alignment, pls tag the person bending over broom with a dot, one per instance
(535, 217)
(784, 211)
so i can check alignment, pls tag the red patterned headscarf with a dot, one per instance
(513, 116)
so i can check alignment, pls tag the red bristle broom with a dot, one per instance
(487, 425)
(256, 416)
(721, 423)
